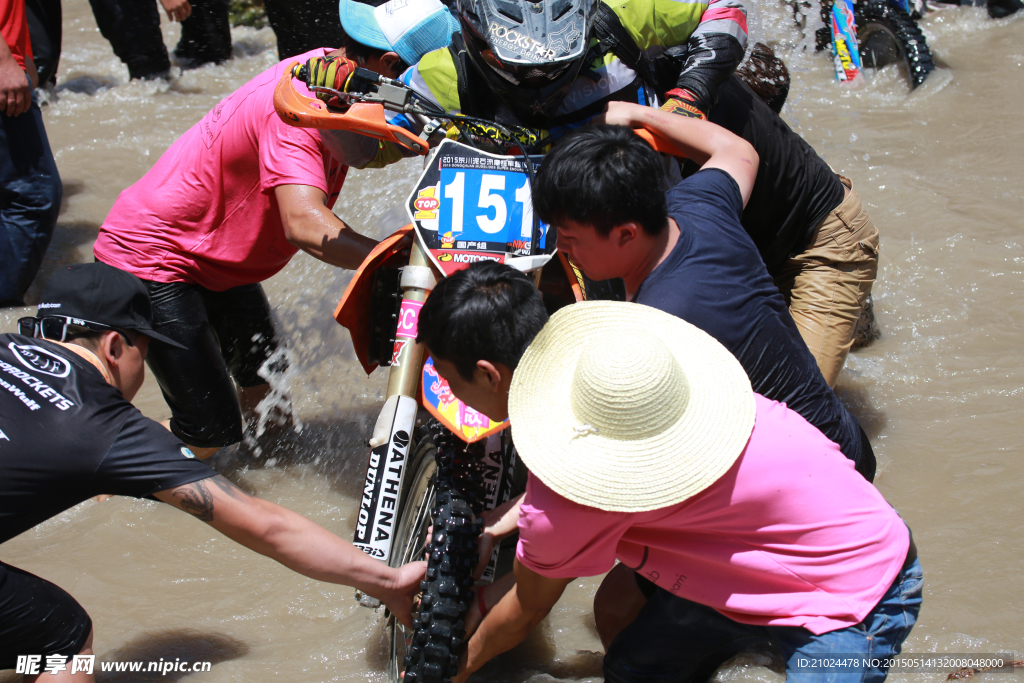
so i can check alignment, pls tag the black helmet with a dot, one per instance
(528, 51)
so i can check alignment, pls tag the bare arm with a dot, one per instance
(512, 619)
(296, 542)
(312, 227)
(709, 145)
(15, 92)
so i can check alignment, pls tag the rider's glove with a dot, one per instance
(326, 72)
(681, 101)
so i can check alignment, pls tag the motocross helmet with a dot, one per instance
(528, 51)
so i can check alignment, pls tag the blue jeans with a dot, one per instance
(30, 193)
(674, 640)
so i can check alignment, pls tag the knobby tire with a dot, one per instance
(440, 628)
(871, 15)
(876, 15)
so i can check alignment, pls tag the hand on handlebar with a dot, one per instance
(326, 72)
(683, 102)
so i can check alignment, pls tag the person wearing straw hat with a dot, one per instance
(685, 250)
(646, 445)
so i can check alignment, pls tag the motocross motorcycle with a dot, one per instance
(434, 460)
(867, 35)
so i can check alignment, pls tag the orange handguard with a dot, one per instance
(659, 143)
(368, 119)
(363, 118)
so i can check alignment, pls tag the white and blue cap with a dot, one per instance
(410, 28)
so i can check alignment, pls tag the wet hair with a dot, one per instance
(602, 176)
(766, 75)
(488, 311)
(362, 54)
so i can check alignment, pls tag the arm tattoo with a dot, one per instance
(197, 498)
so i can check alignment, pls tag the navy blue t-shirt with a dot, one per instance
(715, 279)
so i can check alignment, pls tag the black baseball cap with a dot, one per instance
(101, 294)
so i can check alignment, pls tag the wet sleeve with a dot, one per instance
(559, 539)
(146, 458)
(714, 50)
(290, 156)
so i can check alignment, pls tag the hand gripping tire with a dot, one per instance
(440, 628)
(886, 34)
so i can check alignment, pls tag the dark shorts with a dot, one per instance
(228, 335)
(38, 618)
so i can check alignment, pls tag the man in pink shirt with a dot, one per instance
(228, 205)
(736, 522)
(744, 525)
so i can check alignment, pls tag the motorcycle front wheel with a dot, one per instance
(418, 499)
(887, 35)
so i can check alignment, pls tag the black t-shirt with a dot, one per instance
(714, 279)
(67, 435)
(794, 188)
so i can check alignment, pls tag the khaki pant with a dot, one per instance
(826, 285)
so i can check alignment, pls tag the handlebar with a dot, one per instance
(364, 111)
(362, 117)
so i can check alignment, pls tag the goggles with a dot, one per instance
(529, 75)
(55, 328)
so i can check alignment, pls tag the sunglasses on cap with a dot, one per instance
(55, 328)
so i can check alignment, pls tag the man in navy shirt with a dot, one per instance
(68, 432)
(685, 251)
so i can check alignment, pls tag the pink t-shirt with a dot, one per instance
(790, 536)
(206, 212)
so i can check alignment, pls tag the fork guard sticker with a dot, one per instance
(382, 488)
(463, 421)
(845, 52)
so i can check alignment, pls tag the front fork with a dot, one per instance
(845, 50)
(392, 435)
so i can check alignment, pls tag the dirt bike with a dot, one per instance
(433, 459)
(868, 35)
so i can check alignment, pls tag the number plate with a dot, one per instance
(472, 206)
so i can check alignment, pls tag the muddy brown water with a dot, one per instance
(942, 392)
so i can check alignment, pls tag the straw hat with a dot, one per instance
(625, 408)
